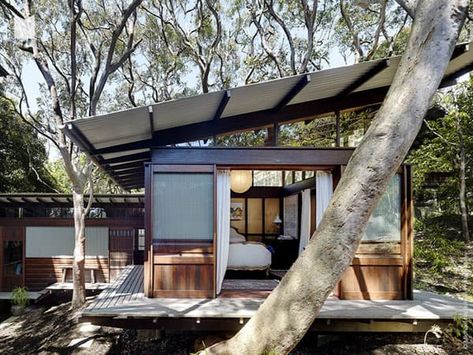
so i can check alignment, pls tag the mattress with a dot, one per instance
(248, 256)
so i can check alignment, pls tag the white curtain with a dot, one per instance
(323, 193)
(223, 224)
(305, 220)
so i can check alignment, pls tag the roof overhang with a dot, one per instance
(65, 200)
(120, 142)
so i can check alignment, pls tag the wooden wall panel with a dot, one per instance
(373, 282)
(271, 210)
(121, 244)
(255, 215)
(183, 270)
(183, 280)
(41, 272)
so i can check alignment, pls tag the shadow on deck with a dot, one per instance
(123, 304)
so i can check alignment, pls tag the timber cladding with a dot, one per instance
(47, 249)
(42, 272)
(183, 271)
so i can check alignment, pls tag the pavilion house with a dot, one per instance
(223, 224)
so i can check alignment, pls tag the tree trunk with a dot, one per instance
(286, 315)
(462, 190)
(78, 264)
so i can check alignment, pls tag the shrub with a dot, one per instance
(20, 297)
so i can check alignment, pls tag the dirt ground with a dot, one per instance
(52, 328)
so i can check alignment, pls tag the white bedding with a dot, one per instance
(248, 256)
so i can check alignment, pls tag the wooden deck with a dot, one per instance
(67, 286)
(32, 295)
(124, 304)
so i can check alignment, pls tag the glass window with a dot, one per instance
(384, 224)
(141, 239)
(297, 176)
(267, 178)
(309, 174)
(288, 178)
(183, 206)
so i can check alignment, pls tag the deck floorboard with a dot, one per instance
(125, 298)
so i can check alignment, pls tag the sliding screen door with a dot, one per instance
(183, 226)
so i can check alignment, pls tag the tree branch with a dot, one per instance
(409, 6)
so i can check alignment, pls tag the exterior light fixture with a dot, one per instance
(241, 180)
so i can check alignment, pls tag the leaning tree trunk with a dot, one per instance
(78, 264)
(462, 190)
(286, 315)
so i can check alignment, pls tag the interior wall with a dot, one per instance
(257, 217)
(240, 223)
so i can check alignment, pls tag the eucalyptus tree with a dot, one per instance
(286, 315)
(77, 50)
(367, 27)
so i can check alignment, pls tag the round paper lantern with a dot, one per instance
(241, 180)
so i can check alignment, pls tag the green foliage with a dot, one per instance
(103, 184)
(19, 297)
(23, 155)
(461, 328)
(438, 151)
(458, 336)
(433, 250)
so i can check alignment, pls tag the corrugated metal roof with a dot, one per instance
(126, 136)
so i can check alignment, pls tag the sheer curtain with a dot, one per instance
(223, 224)
(305, 220)
(323, 193)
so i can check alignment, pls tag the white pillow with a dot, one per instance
(236, 237)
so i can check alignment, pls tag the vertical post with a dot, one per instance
(273, 135)
(409, 233)
(215, 226)
(337, 125)
(148, 255)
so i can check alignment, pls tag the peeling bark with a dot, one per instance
(286, 315)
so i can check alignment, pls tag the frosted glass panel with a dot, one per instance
(43, 242)
(183, 206)
(385, 222)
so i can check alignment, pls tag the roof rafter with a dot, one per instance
(379, 67)
(127, 158)
(223, 103)
(296, 89)
(135, 171)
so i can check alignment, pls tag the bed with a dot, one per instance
(244, 255)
